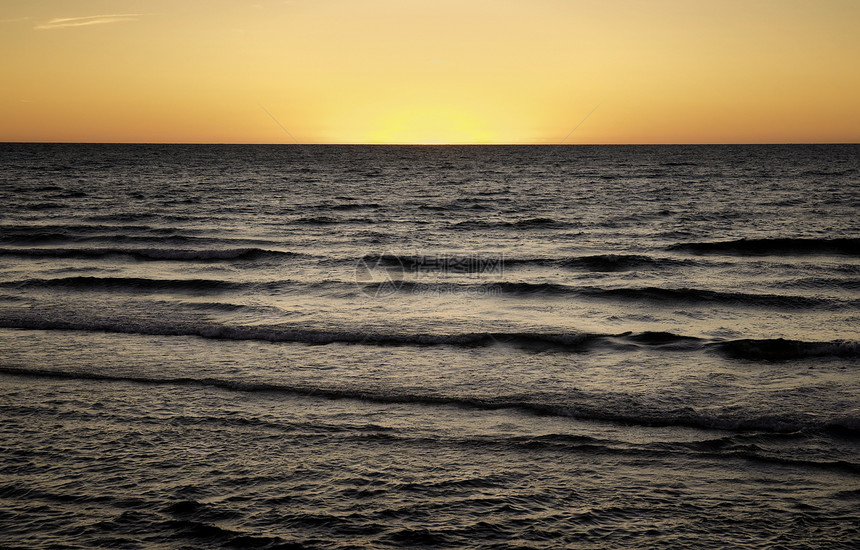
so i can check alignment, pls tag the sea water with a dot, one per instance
(406, 346)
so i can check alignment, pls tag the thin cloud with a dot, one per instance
(88, 20)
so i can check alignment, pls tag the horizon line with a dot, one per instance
(409, 144)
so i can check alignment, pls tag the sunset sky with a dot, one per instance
(442, 71)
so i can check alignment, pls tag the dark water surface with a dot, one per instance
(464, 347)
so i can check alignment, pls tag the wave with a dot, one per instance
(825, 282)
(317, 220)
(329, 220)
(127, 283)
(768, 349)
(150, 236)
(527, 223)
(132, 284)
(437, 263)
(620, 262)
(777, 349)
(24, 230)
(164, 254)
(75, 194)
(488, 263)
(845, 172)
(737, 445)
(73, 232)
(354, 206)
(559, 341)
(44, 206)
(138, 216)
(776, 247)
(658, 295)
(579, 405)
(679, 163)
(37, 237)
(638, 294)
(695, 295)
(34, 236)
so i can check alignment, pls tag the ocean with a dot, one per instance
(476, 347)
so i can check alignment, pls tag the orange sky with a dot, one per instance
(442, 71)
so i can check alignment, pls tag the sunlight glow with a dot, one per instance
(433, 124)
(388, 71)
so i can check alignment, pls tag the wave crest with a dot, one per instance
(776, 247)
(162, 254)
(777, 349)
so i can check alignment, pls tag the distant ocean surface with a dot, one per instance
(406, 346)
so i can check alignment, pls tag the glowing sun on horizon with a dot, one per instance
(427, 125)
